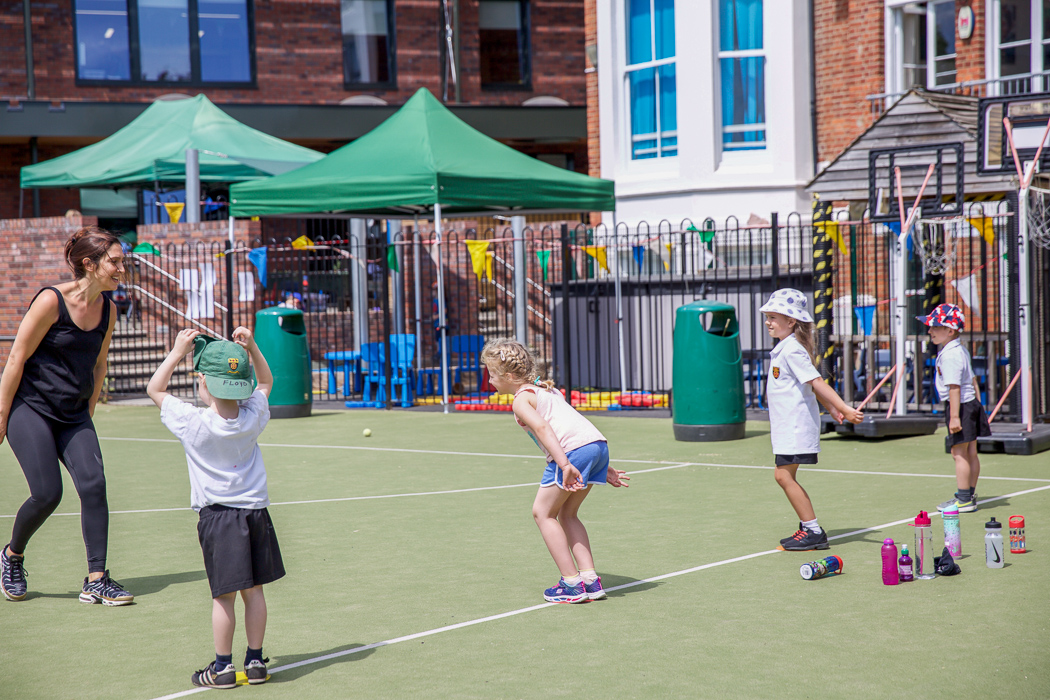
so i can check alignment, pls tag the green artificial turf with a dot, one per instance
(367, 570)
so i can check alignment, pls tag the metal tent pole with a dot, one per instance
(619, 315)
(193, 186)
(441, 308)
(417, 283)
(521, 325)
(393, 228)
(359, 282)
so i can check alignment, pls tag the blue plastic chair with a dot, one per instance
(465, 354)
(401, 370)
(351, 374)
(372, 357)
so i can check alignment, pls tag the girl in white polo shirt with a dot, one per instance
(793, 387)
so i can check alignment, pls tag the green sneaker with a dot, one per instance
(969, 506)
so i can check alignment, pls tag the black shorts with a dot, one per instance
(974, 422)
(784, 460)
(240, 548)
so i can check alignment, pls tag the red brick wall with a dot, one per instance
(299, 55)
(969, 60)
(52, 202)
(32, 255)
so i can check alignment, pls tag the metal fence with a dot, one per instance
(595, 303)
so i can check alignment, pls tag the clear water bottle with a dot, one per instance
(993, 544)
(952, 536)
(890, 577)
(923, 547)
(904, 565)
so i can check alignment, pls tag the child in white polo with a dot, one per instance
(963, 412)
(793, 388)
(227, 488)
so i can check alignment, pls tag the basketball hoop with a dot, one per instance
(1039, 216)
(935, 243)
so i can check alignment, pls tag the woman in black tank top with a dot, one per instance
(48, 392)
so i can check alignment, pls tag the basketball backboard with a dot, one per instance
(943, 195)
(1028, 118)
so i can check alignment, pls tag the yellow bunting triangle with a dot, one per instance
(670, 257)
(986, 227)
(480, 257)
(831, 229)
(598, 253)
(174, 211)
(302, 242)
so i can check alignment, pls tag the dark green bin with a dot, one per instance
(707, 377)
(281, 336)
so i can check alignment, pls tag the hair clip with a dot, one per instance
(502, 356)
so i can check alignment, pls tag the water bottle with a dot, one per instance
(923, 547)
(1017, 541)
(890, 577)
(952, 537)
(993, 544)
(904, 565)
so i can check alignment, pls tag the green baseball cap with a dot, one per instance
(226, 366)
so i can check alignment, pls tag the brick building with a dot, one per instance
(316, 72)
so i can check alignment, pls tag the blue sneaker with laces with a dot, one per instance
(564, 593)
(594, 590)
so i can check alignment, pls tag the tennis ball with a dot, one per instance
(366, 432)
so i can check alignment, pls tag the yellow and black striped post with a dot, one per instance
(823, 283)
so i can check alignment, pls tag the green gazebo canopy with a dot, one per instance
(153, 147)
(423, 155)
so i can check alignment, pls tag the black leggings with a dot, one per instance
(38, 444)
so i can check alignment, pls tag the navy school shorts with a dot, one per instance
(784, 460)
(240, 548)
(974, 422)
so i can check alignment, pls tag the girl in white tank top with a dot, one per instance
(577, 458)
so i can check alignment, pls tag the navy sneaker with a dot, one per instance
(256, 671)
(594, 590)
(210, 677)
(106, 591)
(800, 532)
(564, 593)
(804, 540)
(12, 575)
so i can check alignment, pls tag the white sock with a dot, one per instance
(572, 580)
(589, 575)
(812, 526)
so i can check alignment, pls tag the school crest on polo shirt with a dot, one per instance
(232, 362)
(776, 373)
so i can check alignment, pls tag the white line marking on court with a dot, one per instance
(542, 606)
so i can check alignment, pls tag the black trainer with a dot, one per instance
(12, 575)
(798, 532)
(256, 671)
(209, 677)
(106, 591)
(805, 540)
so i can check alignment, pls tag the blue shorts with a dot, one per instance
(591, 460)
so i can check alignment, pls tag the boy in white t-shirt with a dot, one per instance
(963, 412)
(227, 487)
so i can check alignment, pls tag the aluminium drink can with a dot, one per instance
(821, 567)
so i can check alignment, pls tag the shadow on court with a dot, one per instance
(612, 581)
(874, 536)
(147, 585)
(295, 673)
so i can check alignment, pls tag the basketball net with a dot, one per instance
(1039, 216)
(934, 240)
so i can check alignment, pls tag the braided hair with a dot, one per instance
(510, 358)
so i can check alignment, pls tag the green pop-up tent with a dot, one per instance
(421, 156)
(152, 148)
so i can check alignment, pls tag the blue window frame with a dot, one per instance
(650, 79)
(742, 64)
(180, 42)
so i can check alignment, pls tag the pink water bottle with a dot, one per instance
(890, 575)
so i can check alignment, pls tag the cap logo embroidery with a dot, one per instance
(233, 362)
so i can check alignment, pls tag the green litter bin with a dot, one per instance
(280, 334)
(707, 377)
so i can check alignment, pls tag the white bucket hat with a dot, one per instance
(790, 302)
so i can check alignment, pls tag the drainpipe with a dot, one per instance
(813, 79)
(30, 83)
(34, 158)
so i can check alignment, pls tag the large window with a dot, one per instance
(503, 34)
(1023, 44)
(924, 33)
(368, 46)
(650, 79)
(742, 62)
(204, 42)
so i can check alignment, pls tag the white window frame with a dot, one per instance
(1036, 42)
(628, 68)
(746, 146)
(895, 45)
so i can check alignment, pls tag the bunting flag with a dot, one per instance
(670, 256)
(598, 253)
(968, 292)
(639, 256)
(146, 249)
(302, 242)
(706, 235)
(831, 229)
(480, 257)
(986, 227)
(391, 259)
(174, 210)
(544, 256)
(257, 257)
(895, 226)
